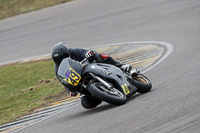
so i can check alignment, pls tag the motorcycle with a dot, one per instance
(103, 81)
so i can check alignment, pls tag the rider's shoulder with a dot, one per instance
(77, 50)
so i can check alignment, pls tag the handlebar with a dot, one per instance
(83, 61)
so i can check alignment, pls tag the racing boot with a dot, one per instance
(126, 68)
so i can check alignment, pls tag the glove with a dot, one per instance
(73, 94)
(126, 68)
(90, 55)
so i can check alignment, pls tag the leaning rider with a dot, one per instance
(61, 51)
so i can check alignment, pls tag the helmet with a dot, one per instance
(59, 52)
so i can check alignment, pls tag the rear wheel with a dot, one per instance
(142, 83)
(112, 96)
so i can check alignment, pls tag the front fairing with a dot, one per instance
(69, 73)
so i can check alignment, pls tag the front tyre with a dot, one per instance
(112, 96)
(142, 83)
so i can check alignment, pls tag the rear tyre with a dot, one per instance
(112, 96)
(142, 83)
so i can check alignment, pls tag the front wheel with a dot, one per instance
(112, 96)
(142, 83)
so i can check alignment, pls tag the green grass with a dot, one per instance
(23, 88)
(9, 8)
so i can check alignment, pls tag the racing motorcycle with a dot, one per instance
(103, 81)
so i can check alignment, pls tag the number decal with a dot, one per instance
(125, 88)
(73, 78)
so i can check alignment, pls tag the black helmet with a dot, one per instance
(59, 52)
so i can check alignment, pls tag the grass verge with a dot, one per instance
(9, 8)
(25, 87)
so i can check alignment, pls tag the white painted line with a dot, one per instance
(169, 50)
(44, 118)
(24, 59)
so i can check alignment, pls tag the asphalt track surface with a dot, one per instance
(172, 105)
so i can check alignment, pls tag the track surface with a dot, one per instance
(173, 104)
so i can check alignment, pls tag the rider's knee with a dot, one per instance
(90, 102)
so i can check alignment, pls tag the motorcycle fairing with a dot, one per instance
(111, 73)
(69, 73)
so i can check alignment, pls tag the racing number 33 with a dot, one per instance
(125, 88)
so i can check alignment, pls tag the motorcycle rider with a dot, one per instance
(61, 51)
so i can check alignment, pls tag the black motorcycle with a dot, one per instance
(103, 81)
